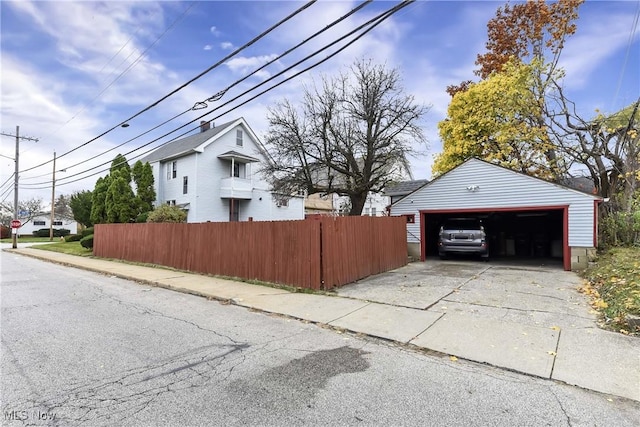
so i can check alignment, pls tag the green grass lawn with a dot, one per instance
(613, 284)
(30, 239)
(71, 248)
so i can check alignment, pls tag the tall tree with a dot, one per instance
(607, 146)
(527, 31)
(145, 192)
(120, 201)
(80, 204)
(120, 163)
(99, 200)
(62, 207)
(349, 136)
(113, 199)
(532, 32)
(495, 120)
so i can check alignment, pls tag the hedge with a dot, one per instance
(87, 242)
(57, 232)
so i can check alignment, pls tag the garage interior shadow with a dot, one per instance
(514, 237)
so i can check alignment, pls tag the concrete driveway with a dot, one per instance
(536, 295)
(531, 319)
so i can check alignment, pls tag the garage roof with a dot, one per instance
(477, 161)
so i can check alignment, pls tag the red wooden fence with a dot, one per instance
(316, 253)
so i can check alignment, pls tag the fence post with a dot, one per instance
(322, 275)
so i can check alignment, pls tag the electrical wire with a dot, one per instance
(380, 18)
(374, 23)
(173, 92)
(634, 27)
(8, 179)
(225, 90)
(7, 192)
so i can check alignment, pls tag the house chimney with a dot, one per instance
(204, 126)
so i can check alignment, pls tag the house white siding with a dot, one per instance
(44, 221)
(479, 185)
(212, 184)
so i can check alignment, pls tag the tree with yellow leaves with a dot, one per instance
(496, 120)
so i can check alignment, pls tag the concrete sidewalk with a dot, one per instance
(581, 355)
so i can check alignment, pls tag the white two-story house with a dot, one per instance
(214, 176)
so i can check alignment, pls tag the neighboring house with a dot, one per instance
(332, 204)
(525, 217)
(399, 190)
(581, 183)
(214, 176)
(319, 204)
(44, 221)
(376, 205)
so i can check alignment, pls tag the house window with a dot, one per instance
(174, 169)
(281, 201)
(185, 184)
(57, 222)
(411, 218)
(373, 211)
(236, 170)
(366, 211)
(234, 210)
(239, 138)
(171, 202)
(39, 223)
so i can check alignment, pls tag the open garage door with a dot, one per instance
(529, 234)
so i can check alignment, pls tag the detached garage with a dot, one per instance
(524, 217)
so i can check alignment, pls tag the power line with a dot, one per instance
(634, 27)
(380, 18)
(374, 23)
(225, 90)
(217, 64)
(7, 181)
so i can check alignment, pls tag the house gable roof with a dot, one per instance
(189, 144)
(405, 187)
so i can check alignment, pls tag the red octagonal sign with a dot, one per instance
(15, 223)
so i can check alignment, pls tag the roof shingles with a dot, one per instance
(185, 145)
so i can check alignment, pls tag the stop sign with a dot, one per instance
(15, 223)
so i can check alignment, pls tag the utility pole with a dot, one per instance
(14, 232)
(53, 198)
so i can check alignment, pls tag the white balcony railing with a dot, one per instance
(235, 188)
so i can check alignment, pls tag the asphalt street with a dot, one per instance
(80, 348)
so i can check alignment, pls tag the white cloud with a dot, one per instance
(214, 31)
(208, 47)
(595, 42)
(227, 46)
(243, 64)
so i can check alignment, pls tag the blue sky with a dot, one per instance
(73, 70)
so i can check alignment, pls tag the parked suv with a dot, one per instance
(463, 236)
